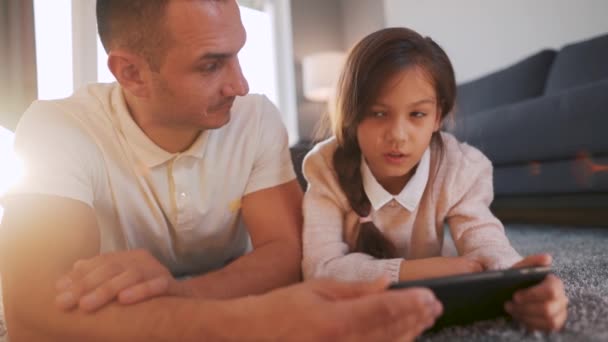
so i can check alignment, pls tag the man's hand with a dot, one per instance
(437, 267)
(129, 276)
(541, 307)
(327, 310)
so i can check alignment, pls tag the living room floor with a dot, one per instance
(580, 259)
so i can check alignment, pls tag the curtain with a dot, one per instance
(17, 60)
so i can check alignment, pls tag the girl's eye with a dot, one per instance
(418, 114)
(378, 114)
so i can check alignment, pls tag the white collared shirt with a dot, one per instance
(410, 195)
(185, 207)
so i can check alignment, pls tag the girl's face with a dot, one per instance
(398, 127)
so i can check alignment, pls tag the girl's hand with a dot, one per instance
(541, 307)
(437, 267)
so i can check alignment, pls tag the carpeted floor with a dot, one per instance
(580, 259)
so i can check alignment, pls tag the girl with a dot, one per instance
(381, 189)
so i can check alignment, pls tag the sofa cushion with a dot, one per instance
(523, 80)
(298, 152)
(578, 64)
(579, 175)
(555, 127)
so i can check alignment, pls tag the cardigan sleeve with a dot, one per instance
(476, 231)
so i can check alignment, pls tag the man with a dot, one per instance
(131, 184)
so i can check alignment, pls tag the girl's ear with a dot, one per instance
(437, 120)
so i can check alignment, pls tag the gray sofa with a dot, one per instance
(543, 122)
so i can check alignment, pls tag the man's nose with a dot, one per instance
(237, 84)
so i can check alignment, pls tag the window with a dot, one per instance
(53, 27)
(12, 168)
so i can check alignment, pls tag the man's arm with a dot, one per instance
(42, 237)
(273, 217)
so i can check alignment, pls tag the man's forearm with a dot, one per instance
(267, 267)
(159, 319)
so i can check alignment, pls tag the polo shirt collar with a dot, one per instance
(145, 149)
(410, 195)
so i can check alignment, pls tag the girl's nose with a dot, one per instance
(398, 130)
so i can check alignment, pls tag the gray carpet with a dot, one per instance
(580, 259)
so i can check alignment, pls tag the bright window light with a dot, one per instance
(11, 171)
(257, 57)
(103, 72)
(53, 27)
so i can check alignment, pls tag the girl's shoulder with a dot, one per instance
(321, 155)
(318, 167)
(459, 166)
(461, 153)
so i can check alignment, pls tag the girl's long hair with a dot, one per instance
(370, 64)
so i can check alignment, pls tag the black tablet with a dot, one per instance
(477, 296)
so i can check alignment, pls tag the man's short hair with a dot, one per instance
(136, 25)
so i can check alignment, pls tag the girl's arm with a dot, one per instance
(477, 233)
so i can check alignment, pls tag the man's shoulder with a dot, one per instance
(74, 118)
(75, 108)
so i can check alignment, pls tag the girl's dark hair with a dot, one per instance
(370, 64)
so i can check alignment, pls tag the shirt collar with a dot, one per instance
(409, 197)
(145, 149)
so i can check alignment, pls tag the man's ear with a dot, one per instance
(130, 71)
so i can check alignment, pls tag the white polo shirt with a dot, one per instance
(184, 208)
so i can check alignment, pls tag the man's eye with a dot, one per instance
(378, 114)
(210, 67)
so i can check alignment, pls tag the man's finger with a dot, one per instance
(79, 269)
(85, 277)
(99, 276)
(142, 291)
(392, 315)
(108, 291)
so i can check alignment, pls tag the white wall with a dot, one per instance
(481, 36)
(360, 18)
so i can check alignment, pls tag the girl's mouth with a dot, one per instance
(395, 157)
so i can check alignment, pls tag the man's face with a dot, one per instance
(200, 75)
